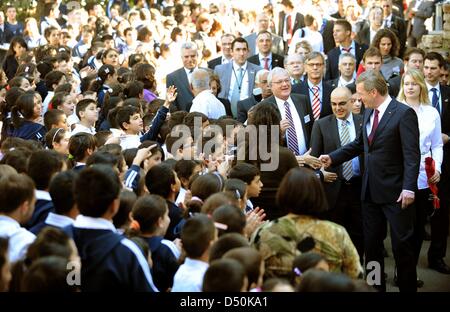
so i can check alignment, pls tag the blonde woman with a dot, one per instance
(414, 93)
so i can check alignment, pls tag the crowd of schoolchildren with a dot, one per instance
(100, 191)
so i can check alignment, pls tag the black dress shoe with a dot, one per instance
(420, 283)
(440, 266)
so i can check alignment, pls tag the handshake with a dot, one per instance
(324, 161)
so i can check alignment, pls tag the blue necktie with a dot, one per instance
(435, 99)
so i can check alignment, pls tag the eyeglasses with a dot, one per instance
(282, 81)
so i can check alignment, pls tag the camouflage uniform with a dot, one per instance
(279, 239)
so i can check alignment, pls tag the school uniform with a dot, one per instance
(156, 124)
(79, 166)
(81, 128)
(109, 262)
(29, 130)
(189, 277)
(129, 141)
(19, 238)
(53, 220)
(101, 94)
(165, 257)
(175, 215)
(132, 177)
(42, 208)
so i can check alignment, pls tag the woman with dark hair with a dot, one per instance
(145, 73)
(387, 42)
(265, 120)
(302, 197)
(17, 48)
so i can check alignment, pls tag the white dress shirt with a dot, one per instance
(343, 83)
(352, 133)
(128, 141)
(205, 102)
(430, 141)
(244, 86)
(189, 277)
(58, 220)
(381, 109)
(81, 128)
(189, 73)
(262, 61)
(297, 123)
(19, 238)
(311, 92)
(313, 37)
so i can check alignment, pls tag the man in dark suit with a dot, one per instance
(181, 77)
(226, 56)
(347, 65)
(262, 24)
(261, 92)
(418, 12)
(390, 142)
(366, 30)
(412, 58)
(298, 118)
(440, 98)
(288, 23)
(329, 134)
(394, 23)
(237, 78)
(342, 32)
(315, 88)
(265, 58)
(295, 65)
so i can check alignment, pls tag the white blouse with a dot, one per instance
(430, 141)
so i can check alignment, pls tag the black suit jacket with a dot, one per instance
(324, 140)
(214, 62)
(185, 96)
(299, 22)
(303, 88)
(391, 162)
(304, 111)
(277, 60)
(327, 35)
(398, 26)
(243, 106)
(333, 60)
(444, 184)
(363, 36)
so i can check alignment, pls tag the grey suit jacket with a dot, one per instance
(224, 71)
(424, 11)
(277, 44)
(179, 79)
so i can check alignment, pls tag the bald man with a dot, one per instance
(343, 193)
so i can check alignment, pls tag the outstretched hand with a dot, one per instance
(326, 160)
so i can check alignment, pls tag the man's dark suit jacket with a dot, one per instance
(391, 162)
(214, 62)
(363, 35)
(324, 140)
(299, 22)
(277, 60)
(244, 106)
(327, 35)
(302, 88)
(444, 184)
(398, 26)
(333, 60)
(185, 96)
(304, 111)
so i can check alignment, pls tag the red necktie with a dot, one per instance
(374, 127)
(266, 63)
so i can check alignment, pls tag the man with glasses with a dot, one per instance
(315, 88)
(226, 56)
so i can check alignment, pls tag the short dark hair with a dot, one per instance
(159, 180)
(230, 216)
(225, 243)
(320, 281)
(224, 275)
(51, 117)
(14, 191)
(79, 143)
(250, 259)
(344, 23)
(432, 56)
(95, 189)
(81, 106)
(411, 51)
(61, 191)
(42, 165)
(239, 39)
(185, 167)
(245, 172)
(53, 77)
(147, 210)
(197, 234)
(205, 185)
(124, 114)
(371, 52)
(310, 201)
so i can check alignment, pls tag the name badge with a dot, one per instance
(307, 119)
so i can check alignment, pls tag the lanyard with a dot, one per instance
(239, 83)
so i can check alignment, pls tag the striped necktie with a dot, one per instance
(316, 102)
(292, 140)
(347, 168)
